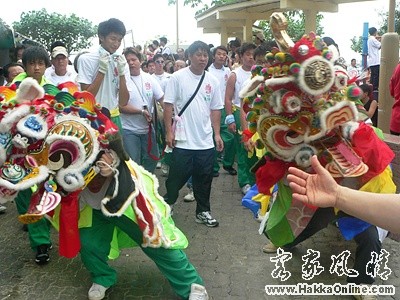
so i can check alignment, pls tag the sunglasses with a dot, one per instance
(159, 61)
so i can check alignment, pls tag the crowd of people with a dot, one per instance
(180, 111)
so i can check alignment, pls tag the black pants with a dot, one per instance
(367, 242)
(195, 163)
(375, 77)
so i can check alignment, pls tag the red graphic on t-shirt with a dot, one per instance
(208, 88)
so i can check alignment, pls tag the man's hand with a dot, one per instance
(106, 164)
(121, 64)
(103, 63)
(318, 189)
(219, 144)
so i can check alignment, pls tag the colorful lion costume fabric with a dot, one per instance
(50, 140)
(305, 104)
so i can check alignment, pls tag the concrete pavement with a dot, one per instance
(229, 258)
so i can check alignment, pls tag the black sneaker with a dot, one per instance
(230, 170)
(206, 218)
(42, 254)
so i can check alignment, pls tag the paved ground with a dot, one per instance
(228, 257)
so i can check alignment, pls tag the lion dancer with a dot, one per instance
(306, 105)
(82, 158)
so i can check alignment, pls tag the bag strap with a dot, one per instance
(194, 94)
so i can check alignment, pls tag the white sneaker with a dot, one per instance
(198, 292)
(158, 166)
(164, 170)
(246, 188)
(189, 197)
(97, 292)
(2, 208)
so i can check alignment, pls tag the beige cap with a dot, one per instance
(59, 50)
(260, 36)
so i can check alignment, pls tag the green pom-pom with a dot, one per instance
(251, 116)
(258, 103)
(253, 127)
(353, 92)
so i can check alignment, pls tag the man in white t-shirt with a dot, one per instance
(217, 68)
(192, 141)
(373, 58)
(60, 71)
(137, 121)
(235, 116)
(159, 72)
(166, 51)
(104, 72)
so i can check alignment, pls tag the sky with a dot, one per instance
(150, 19)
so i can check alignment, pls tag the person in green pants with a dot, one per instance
(35, 61)
(97, 240)
(235, 115)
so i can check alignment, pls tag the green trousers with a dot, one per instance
(39, 232)
(95, 247)
(245, 176)
(229, 152)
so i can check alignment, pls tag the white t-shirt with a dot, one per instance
(166, 50)
(143, 89)
(162, 79)
(241, 77)
(93, 199)
(88, 66)
(197, 116)
(373, 58)
(55, 79)
(222, 75)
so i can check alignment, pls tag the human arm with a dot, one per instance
(229, 92)
(321, 189)
(216, 124)
(169, 135)
(372, 108)
(130, 109)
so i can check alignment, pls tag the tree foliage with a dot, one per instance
(46, 28)
(356, 42)
(296, 19)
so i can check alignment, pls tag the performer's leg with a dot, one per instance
(173, 263)
(320, 220)
(39, 232)
(95, 248)
(367, 242)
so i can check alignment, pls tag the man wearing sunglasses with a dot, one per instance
(159, 73)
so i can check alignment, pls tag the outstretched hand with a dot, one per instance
(319, 189)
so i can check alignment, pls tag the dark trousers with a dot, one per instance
(375, 77)
(195, 163)
(367, 242)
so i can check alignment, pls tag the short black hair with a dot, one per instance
(223, 48)
(260, 51)
(198, 45)
(111, 25)
(34, 53)
(245, 47)
(372, 30)
(6, 73)
(132, 50)
(157, 56)
(163, 39)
